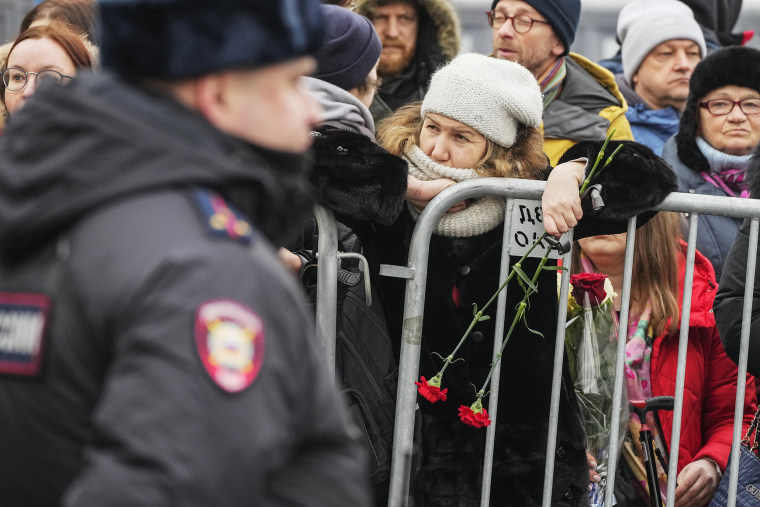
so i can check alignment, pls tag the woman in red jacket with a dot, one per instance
(652, 355)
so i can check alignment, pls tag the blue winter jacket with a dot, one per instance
(652, 127)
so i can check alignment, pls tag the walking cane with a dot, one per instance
(640, 408)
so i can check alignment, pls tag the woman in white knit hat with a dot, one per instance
(481, 117)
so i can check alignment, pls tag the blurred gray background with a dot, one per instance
(595, 38)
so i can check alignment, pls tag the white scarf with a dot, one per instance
(481, 216)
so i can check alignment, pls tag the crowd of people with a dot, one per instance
(159, 171)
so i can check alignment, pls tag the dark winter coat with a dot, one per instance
(588, 108)
(438, 41)
(730, 298)
(715, 233)
(126, 410)
(463, 271)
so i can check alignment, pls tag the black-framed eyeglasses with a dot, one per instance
(722, 107)
(521, 23)
(15, 79)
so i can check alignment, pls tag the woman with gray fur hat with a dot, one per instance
(480, 118)
(720, 126)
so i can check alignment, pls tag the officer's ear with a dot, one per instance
(211, 97)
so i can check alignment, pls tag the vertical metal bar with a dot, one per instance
(498, 340)
(617, 395)
(741, 379)
(683, 342)
(559, 353)
(411, 341)
(327, 282)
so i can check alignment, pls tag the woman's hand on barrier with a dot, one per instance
(561, 202)
(697, 483)
(592, 475)
(419, 193)
(291, 261)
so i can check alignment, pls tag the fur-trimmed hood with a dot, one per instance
(356, 178)
(440, 12)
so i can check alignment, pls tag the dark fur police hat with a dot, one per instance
(734, 65)
(179, 39)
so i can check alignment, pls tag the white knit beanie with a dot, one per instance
(492, 96)
(645, 24)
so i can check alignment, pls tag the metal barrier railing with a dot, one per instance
(416, 274)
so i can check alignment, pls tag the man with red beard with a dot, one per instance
(418, 36)
(581, 100)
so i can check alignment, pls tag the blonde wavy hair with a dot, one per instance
(525, 159)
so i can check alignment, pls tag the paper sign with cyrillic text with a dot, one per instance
(527, 227)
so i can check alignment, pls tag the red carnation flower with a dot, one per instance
(474, 415)
(591, 284)
(431, 390)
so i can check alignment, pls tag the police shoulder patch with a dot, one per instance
(230, 341)
(220, 218)
(23, 319)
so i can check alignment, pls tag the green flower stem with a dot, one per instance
(521, 307)
(479, 314)
(599, 157)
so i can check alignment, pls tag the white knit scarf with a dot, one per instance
(481, 216)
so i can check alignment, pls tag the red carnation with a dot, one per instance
(474, 415)
(591, 284)
(431, 390)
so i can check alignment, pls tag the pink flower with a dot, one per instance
(474, 415)
(591, 284)
(431, 389)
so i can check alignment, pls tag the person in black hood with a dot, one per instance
(153, 350)
(729, 301)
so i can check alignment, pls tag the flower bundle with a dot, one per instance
(591, 338)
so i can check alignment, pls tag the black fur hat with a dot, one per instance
(179, 39)
(735, 65)
(637, 178)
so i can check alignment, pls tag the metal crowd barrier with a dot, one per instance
(416, 274)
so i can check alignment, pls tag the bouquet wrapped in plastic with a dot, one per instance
(591, 337)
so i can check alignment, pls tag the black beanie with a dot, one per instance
(562, 15)
(350, 50)
(734, 65)
(179, 39)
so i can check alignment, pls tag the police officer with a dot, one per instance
(153, 351)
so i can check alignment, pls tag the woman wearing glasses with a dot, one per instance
(46, 54)
(720, 126)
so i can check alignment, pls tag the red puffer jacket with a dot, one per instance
(710, 385)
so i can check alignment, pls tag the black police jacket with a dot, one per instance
(153, 351)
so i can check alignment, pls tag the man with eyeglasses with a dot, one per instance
(661, 44)
(581, 100)
(418, 36)
(153, 349)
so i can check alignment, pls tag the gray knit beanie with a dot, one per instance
(492, 96)
(645, 24)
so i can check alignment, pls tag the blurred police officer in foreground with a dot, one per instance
(153, 352)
